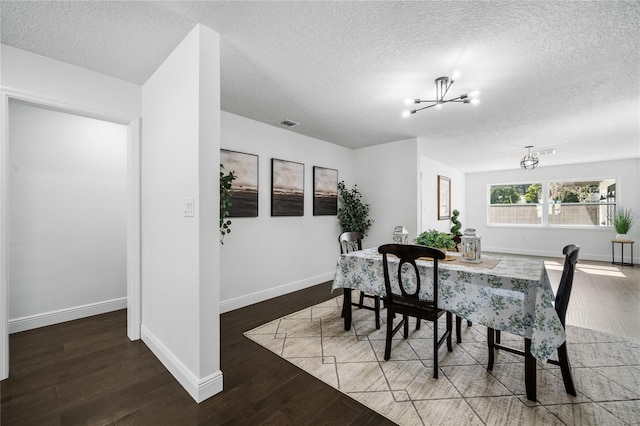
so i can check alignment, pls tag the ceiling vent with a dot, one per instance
(545, 152)
(288, 123)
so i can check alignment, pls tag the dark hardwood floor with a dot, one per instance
(87, 372)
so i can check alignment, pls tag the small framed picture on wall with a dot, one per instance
(244, 188)
(444, 198)
(287, 188)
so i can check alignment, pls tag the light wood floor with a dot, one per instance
(604, 297)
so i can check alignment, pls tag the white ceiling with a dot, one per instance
(553, 74)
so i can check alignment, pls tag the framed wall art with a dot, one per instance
(444, 198)
(287, 188)
(244, 188)
(325, 191)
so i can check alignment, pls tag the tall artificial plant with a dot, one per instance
(225, 201)
(353, 213)
(455, 229)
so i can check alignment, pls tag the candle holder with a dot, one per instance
(471, 250)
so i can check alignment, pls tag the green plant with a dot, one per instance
(623, 220)
(225, 201)
(353, 214)
(455, 229)
(437, 239)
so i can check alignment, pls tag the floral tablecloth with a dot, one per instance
(514, 296)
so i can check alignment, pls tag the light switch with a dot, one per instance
(188, 207)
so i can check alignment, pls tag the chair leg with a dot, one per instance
(498, 336)
(530, 377)
(435, 349)
(377, 310)
(490, 346)
(469, 323)
(418, 322)
(458, 329)
(565, 368)
(361, 302)
(387, 345)
(449, 331)
(406, 326)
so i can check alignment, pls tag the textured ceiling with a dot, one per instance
(553, 74)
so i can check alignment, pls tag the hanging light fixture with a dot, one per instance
(529, 161)
(443, 84)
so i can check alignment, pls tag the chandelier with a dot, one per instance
(529, 161)
(443, 84)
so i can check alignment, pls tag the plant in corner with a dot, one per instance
(437, 239)
(353, 214)
(623, 221)
(225, 201)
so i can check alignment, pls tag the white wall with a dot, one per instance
(268, 256)
(388, 178)
(429, 171)
(180, 255)
(67, 85)
(595, 243)
(67, 214)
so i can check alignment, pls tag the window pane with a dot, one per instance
(516, 214)
(515, 194)
(590, 203)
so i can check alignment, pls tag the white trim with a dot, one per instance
(4, 255)
(134, 296)
(68, 314)
(199, 389)
(260, 296)
(546, 253)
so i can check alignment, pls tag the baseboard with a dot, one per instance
(62, 315)
(199, 389)
(270, 293)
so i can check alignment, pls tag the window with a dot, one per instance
(590, 203)
(557, 203)
(515, 204)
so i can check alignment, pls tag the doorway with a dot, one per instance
(129, 213)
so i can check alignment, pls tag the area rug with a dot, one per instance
(606, 372)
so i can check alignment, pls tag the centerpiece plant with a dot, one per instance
(433, 238)
(455, 228)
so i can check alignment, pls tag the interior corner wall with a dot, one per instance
(181, 138)
(67, 216)
(429, 172)
(388, 178)
(548, 241)
(266, 256)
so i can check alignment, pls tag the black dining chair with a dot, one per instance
(352, 241)
(563, 295)
(402, 302)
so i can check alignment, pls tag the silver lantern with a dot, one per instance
(400, 235)
(470, 243)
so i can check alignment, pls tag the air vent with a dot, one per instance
(288, 123)
(545, 152)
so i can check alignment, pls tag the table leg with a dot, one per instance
(529, 371)
(346, 308)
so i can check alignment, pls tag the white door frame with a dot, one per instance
(134, 309)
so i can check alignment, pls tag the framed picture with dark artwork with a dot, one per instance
(244, 188)
(287, 188)
(444, 198)
(325, 191)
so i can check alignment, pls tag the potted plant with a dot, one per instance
(225, 201)
(353, 214)
(436, 239)
(455, 229)
(622, 223)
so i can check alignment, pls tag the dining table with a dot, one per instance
(509, 293)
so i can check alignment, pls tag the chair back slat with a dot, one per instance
(563, 295)
(407, 255)
(350, 241)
